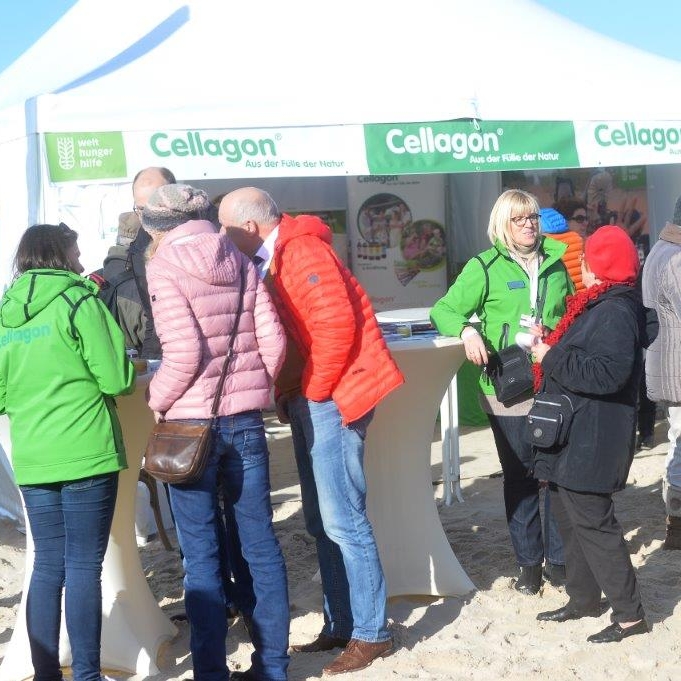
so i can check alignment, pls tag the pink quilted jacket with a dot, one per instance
(194, 280)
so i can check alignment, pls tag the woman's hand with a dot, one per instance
(539, 350)
(476, 351)
(538, 331)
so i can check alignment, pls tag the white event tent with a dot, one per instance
(316, 75)
(202, 85)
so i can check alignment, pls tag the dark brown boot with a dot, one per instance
(672, 542)
(358, 655)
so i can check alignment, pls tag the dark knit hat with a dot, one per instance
(128, 226)
(174, 204)
(552, 222)
(611, 255)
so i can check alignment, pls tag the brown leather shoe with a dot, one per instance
(320, 644)
(358, 655)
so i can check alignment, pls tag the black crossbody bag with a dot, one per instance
(510, 368)
(549, 421)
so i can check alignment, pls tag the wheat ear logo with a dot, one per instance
(65, 151)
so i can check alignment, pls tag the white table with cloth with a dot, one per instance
(416, 555)
(133, 625)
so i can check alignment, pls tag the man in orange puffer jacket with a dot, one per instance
(337, 369)
(555, 226)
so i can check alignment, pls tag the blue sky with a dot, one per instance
(652, 25)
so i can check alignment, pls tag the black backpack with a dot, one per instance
(108, 289)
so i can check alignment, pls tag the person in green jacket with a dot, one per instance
(511, 288)
(62, 360)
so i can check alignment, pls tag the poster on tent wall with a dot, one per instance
(609, 195)
(397, 238)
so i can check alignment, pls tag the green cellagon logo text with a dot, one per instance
(632, 134)
(465, 146)
(194, 143)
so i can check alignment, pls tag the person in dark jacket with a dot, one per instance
(130, 312)
(595, 357)
(146, 182)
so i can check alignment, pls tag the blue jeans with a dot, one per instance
(70, 524)
(239, 453)
(330, 460)
(531, 542)
(236, 577)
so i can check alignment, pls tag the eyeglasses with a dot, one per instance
(579, 218)
(521, 220)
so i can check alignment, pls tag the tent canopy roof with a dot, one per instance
(198, 64)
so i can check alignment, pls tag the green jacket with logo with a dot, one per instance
(62, 359)
(496, 288)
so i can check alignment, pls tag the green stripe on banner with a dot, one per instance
(469, 146)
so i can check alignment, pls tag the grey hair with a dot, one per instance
(260, 207)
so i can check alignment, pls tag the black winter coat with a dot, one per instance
(151, 347)
(598, 364)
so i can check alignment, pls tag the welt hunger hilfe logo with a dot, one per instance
(81, 156)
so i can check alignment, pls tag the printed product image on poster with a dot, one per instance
(381, 220)
(423, 249)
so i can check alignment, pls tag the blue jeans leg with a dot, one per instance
(70, 524)
(237, 580)
(240, 453)
(246, 490)
(196, 513)
(521, 496)
(330, 458)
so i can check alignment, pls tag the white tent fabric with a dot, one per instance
(210, 64)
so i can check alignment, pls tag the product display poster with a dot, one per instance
(396, 233)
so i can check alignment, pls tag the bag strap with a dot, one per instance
(230, 347)
(542, 299)
(503, 339)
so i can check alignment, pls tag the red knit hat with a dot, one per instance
(611, 255)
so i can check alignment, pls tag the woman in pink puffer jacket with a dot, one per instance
(194, 277)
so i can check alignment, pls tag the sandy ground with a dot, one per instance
(491, 634)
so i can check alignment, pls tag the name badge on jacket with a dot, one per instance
(515, 284)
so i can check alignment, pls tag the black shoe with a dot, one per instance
(644, 442)
(247, 675)
(529, 580)
(567, 613)
(320, 644)
(615, 633)
(555, 574)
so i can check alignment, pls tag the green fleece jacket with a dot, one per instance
(498, 293)
(62, 358)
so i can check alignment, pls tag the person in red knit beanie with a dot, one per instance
(594, 357)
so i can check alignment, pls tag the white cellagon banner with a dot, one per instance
(396, 231)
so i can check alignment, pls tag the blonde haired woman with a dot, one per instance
(513, 286)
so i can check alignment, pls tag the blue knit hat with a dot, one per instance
(552, 222)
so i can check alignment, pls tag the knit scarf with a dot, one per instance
(576, 304)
